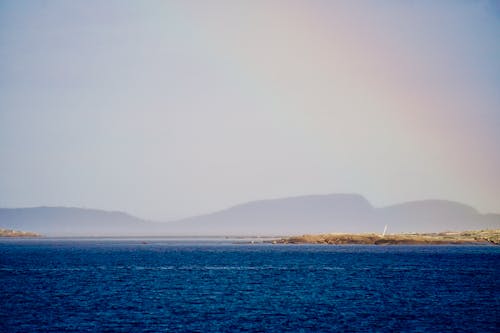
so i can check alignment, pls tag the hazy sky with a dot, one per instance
(166, 109)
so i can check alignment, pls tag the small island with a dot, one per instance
(17, 233)
(443, 238)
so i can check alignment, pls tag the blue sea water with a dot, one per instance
(181, 286)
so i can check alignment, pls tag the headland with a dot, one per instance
(442, 238)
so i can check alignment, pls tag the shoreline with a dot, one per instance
(480, 237)
(8, 233)
(476, 237)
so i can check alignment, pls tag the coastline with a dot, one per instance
(444, 238)
(17, 234)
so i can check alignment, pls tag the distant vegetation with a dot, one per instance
(16, 233)
(443, 238)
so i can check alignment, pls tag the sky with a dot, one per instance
(167, 109)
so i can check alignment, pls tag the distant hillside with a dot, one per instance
(433, 215)
(315, 214)
(66, 221)
(350, 213)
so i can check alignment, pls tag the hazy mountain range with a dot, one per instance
(286, 216)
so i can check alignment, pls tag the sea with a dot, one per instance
(223, 285)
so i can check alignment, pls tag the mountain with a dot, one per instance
(348, 213)
(432, 215)
(311, 214)
(68, 221)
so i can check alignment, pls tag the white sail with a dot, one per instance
(385, 230)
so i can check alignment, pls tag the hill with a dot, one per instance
(68, 221)
(348, 213)
(314, 214)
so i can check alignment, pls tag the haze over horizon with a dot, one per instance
(169, 109)
(262, 200)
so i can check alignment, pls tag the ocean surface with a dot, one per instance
(165, 285)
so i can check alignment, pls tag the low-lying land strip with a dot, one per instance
(443, 238)
(16, 233)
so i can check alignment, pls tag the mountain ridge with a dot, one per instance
(73, 221)
(423, 216)
(338, 212)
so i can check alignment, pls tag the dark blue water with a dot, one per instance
(129, 286)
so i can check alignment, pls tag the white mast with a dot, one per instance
(385, 229)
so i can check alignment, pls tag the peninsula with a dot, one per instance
(443, 238)
(17, 233)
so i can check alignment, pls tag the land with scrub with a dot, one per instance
(16, 233)
(443, 238)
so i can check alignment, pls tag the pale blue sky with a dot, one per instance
(166, 109)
